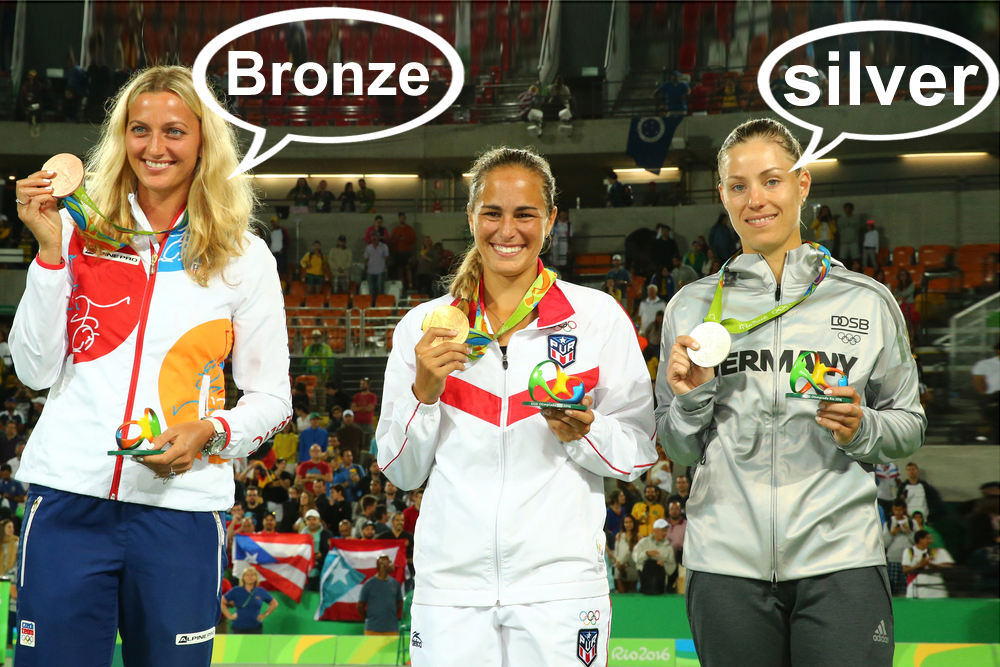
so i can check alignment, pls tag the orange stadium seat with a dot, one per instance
(976, 253)
(902, 255)
(293, 301)
(362, 301)
(593, 264)
(385, 301)
(338, 301)
(298, 288)
(934, 255)
(315, 300)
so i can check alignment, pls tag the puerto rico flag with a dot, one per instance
(349, 564)
(283, 560)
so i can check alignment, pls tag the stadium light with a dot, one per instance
(947, 155)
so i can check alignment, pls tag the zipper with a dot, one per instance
(503, 447)
(27, 531)
(774, 442)
(222, 548)
(147, 296)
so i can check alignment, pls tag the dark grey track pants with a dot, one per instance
(842, 619)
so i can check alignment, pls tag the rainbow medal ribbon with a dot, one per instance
(75, 202)
(714, 334)
(479, 326)
(149, 428)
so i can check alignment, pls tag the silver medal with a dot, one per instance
(714, 342)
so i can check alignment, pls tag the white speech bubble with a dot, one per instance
(812, 152)
(252, 159)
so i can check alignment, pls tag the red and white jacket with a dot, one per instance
(511, 515)
(117, 334)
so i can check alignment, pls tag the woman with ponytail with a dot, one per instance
(517, 576)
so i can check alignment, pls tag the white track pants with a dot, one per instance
(564, 633)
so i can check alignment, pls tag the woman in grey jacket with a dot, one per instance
(783, 544)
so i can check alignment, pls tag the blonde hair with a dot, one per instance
(767, 129)
(10, 544)
(250, 568)
(465, 281)
(219, 207)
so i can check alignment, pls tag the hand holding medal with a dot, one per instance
(440, 351)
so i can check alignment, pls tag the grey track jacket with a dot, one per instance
(774, 497)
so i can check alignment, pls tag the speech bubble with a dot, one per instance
(812, 151)
(252, 158)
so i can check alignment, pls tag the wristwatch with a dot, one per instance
(217, 442)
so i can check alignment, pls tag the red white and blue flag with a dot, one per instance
(349, 564)
(282, 559)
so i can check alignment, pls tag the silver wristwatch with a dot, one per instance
(217, 442)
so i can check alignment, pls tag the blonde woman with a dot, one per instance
(518, 577)
(119, 333)
(783, 546)
(242, 605)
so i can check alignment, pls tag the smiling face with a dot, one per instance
(163, 143)
(510, 221)
(763, 198)
(250, 578)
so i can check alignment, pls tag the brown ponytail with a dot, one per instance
(463, 283)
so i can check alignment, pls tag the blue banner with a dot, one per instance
(649, 140)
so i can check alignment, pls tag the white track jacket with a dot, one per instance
(511, 515)
(117, 334)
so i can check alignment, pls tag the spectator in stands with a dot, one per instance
(334, 396)
(897, 535)
(622, 278)
(247, 599)
(683, 483)
(319, 356)
(611, 288)
(380, 603)
(986, 382)
(982, 524)
(368, 531)
(626, 574)
(363, 406)
(673, 94)
(683, 274)
(338, 508)
(562, 233)
(376, 256)
(365, 197)
(887, 478)
(313, 468)
(10, 413)
(824, 228)
(9, 541)
(256, 506)
(661, 474)
(279, 245)
(712, 263)
(10, 440)
(323, 198)
(525, 101)
(269, 525)
(849, 227)
(676, 526)
(351, 436)
(904, 293)
(730, 96)
(290, 509)
(920, 495)
(653, 333)
(401, 243)
(286, 442)
(721, 238)
(345, 530)
(879, 277)
(348, 199)
(649, 307)
(381, 520)
(654, 558)
(340, 266)
(696, 257)
(342, 475)
(321, 546)
(393, 498)
(300, 194)
(664, 282)
(314, 267)
(314, 435)
(646, 513)
(398, 532)
(918, 522)
(425, 267)
(336, 420)
(613, 521)
(307, 501)
(664, 250)
(869, 255)
(921, 563)
(652, 196)
(11, 490)
(412, 513)
(376, 230)
(366, 513)
(619, 194)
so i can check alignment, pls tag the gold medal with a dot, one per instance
(447, 317)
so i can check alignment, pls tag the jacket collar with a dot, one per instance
(802, 265)
(142, 223)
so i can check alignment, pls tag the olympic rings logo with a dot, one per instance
(565, 326)
(850, 338)
(590, 617)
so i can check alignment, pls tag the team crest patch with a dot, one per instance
(586, 646)
(562, 349)
(27, 633)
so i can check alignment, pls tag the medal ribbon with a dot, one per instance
(74, 204)
(736, 326)
(479, 335)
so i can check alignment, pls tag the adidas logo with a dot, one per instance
(880, 633)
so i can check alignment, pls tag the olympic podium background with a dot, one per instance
(647, 632)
